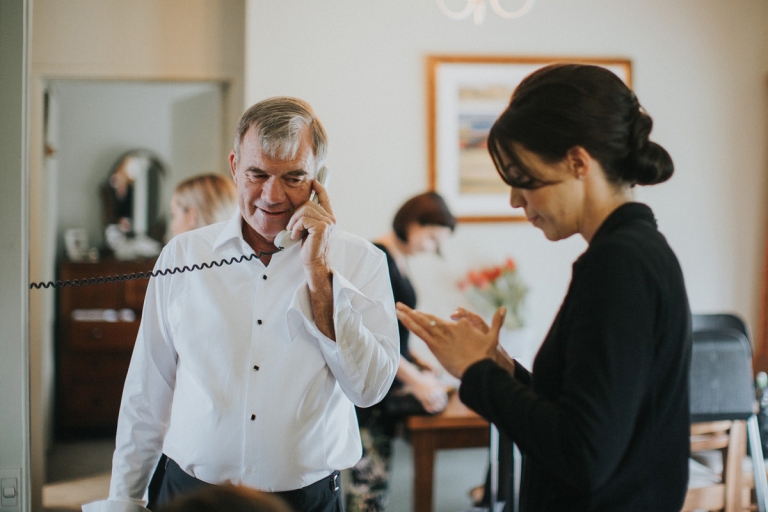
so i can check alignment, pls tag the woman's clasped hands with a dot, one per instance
(460, 342)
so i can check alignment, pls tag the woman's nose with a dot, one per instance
(516, 199)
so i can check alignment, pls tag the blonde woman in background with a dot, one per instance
(202, 200)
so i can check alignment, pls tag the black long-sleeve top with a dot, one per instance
(403, 291)
(603, 421)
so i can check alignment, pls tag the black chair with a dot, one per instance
(717, 321)
(722, 389)
(721, 376)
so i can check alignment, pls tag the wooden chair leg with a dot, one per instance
(732, 472)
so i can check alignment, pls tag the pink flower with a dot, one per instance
(496, 286)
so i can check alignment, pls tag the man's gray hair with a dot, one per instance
(279, 121)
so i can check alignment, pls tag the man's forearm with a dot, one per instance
(320, 283)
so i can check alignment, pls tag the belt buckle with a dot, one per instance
(334, 481)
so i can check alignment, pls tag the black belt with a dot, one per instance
(321, 496)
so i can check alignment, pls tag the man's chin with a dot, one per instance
(265, 231)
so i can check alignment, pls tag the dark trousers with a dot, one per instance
(321, 496)
(156, 483)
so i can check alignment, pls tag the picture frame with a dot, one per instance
(466, 93)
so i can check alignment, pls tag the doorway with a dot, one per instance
(88, 125)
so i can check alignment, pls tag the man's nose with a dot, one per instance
(273, 191)
(516, 199)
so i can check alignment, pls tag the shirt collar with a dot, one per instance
(623, 215)
(233, 229)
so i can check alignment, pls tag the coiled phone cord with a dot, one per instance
(147, 275)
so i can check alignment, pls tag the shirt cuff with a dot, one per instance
(114, 505)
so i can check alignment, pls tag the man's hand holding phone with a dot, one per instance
(312, 223)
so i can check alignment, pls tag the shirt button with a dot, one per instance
(255, 367)
(253, 417)
(249, 470)
(264, 277)
(259, 321)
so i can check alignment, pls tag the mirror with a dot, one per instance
(132, 219)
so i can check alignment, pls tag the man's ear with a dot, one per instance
(579, 161)
(233, 166)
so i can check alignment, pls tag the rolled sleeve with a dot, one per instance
(113, 505)
(365, 355)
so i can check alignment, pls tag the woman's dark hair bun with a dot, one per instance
(565, 105)
(647, 163)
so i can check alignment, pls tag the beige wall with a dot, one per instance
(699, 68)
(195, 40)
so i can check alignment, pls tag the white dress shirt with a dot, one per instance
(231, 378)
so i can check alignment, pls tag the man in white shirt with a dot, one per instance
(248, 373)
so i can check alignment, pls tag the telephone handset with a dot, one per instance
(283, 239)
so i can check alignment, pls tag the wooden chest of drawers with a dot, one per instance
(92, 355)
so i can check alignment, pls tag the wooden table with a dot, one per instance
(456, 427)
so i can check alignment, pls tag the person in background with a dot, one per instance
(202, 200)
(419, 226)
(603, 420)
(227, 498)
(248, 374)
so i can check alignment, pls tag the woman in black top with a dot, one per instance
(603, 419)
(418, 227)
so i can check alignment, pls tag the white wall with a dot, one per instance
(699, 68)
(97, 121)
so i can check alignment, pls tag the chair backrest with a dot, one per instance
(721, 376)
(714, 322)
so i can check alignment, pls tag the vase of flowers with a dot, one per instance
(489, 288)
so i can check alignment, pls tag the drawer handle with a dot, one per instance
(97, 333)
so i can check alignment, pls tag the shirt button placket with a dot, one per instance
(256, 367)
(249, 469)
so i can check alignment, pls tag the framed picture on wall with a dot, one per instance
(466, 95)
